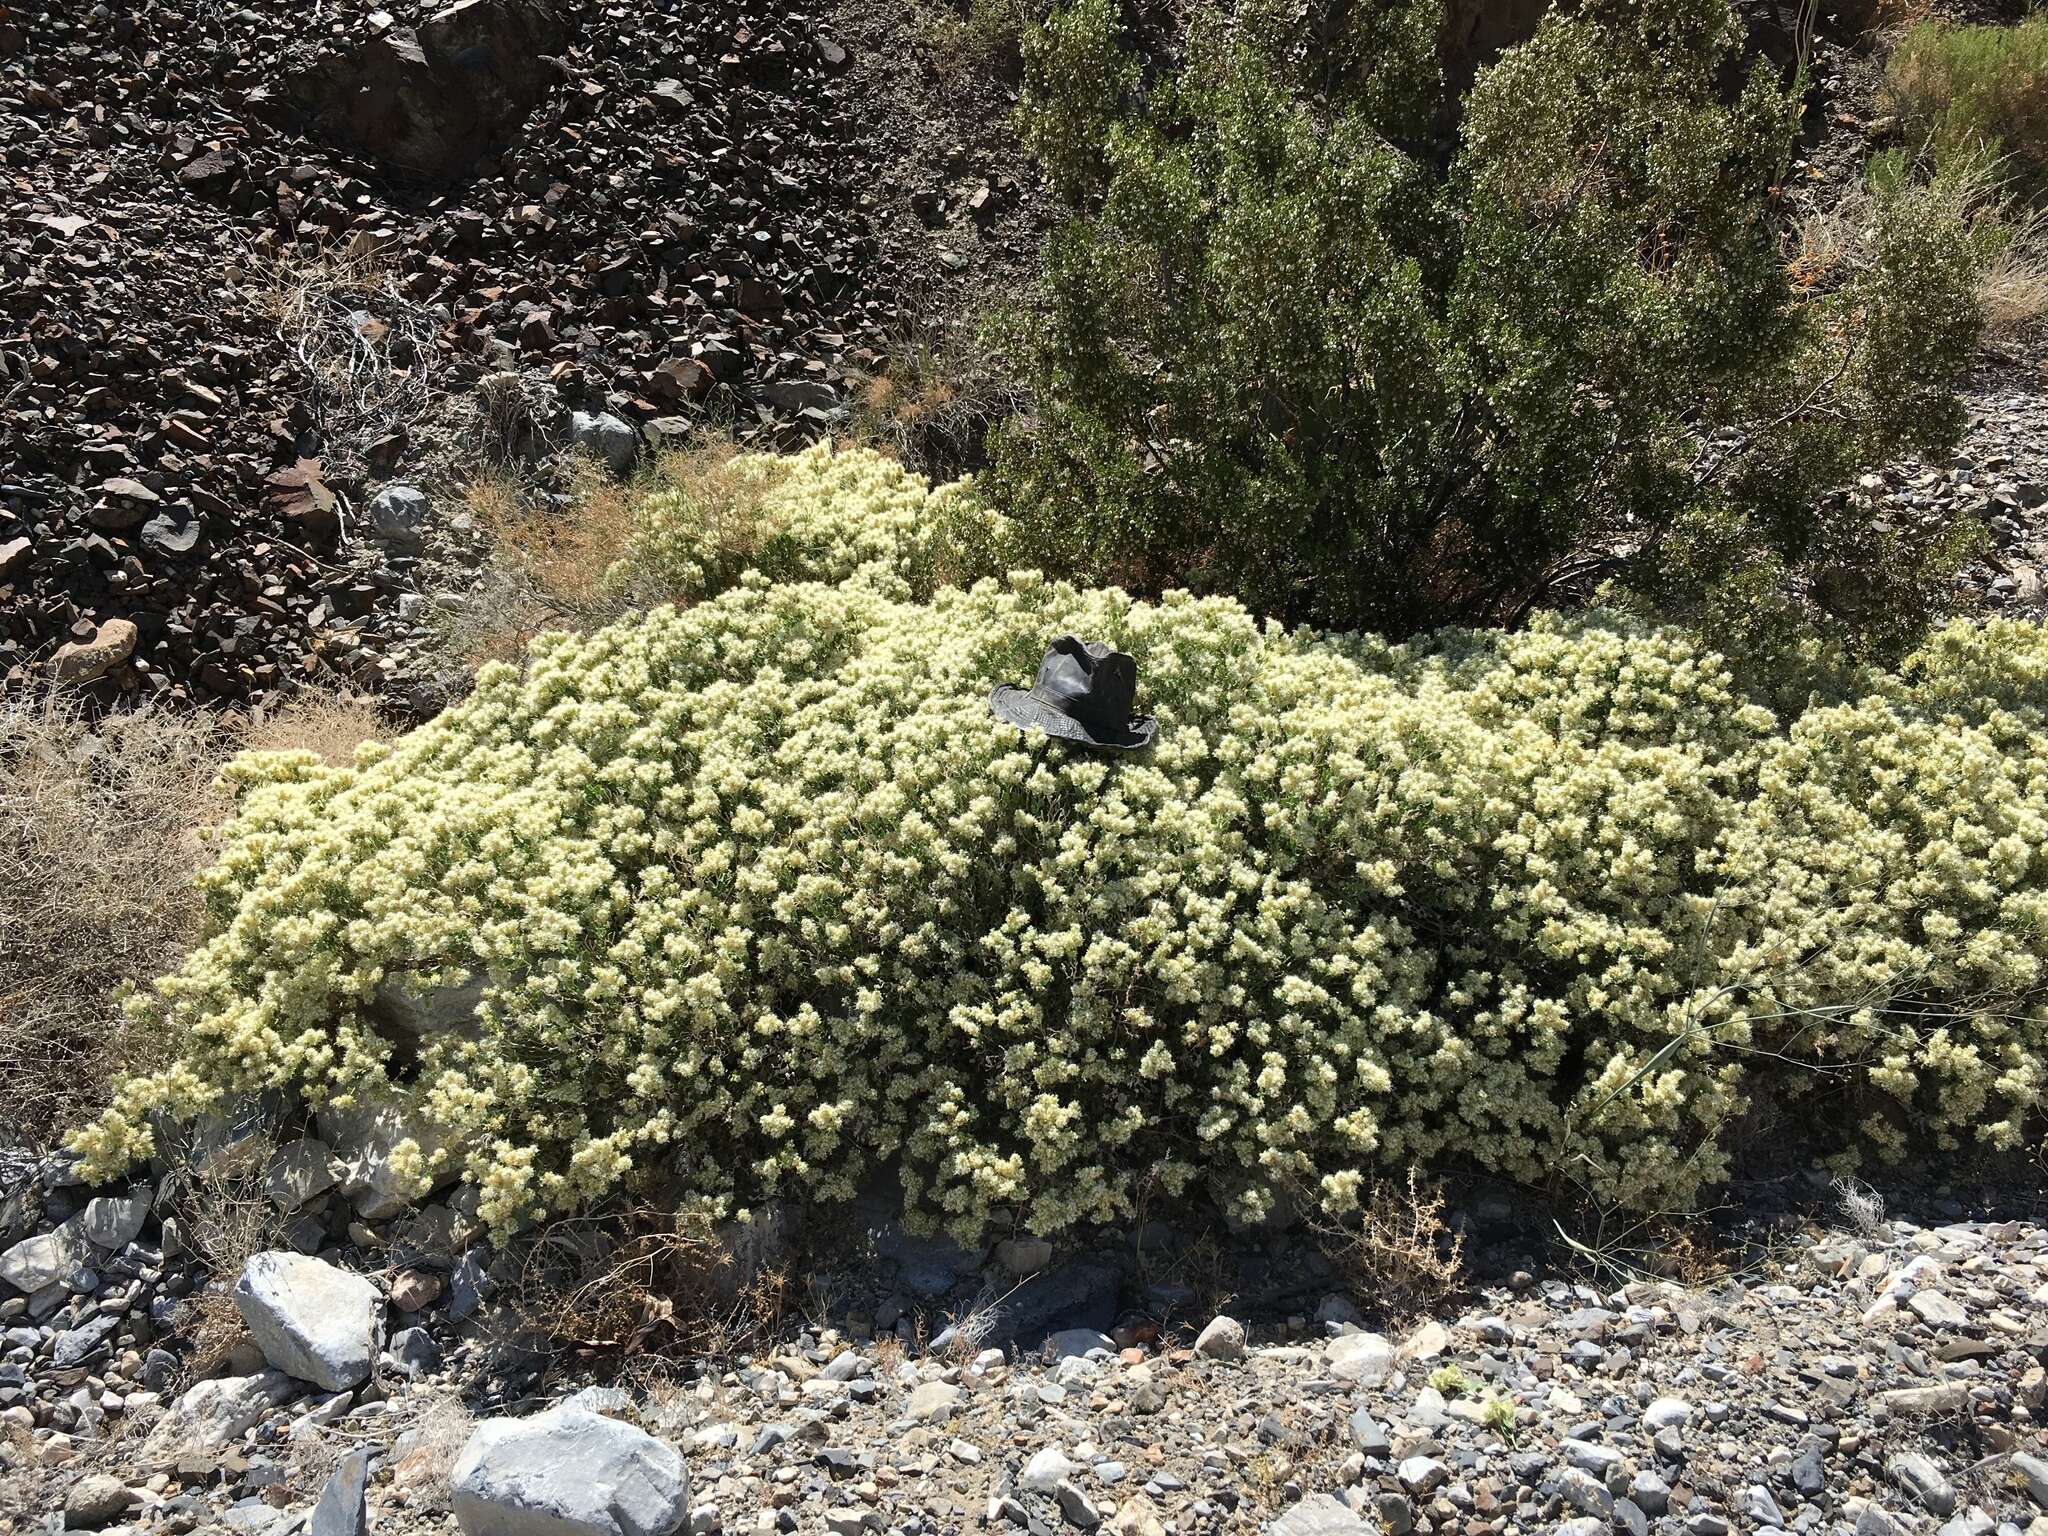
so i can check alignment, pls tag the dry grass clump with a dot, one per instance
(99, 844)
(221, 1215)
(1886, 18)
(554, 554)
(976, 38)
(102, 831)
(421, 1473)
(1826, 245)
(934, 402)
(645, 1282)
(2014, 288)
(1976, 90)
(329, 725)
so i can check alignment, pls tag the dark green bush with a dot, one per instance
(1288, 348)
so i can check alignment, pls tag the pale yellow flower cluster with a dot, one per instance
(765, 899)
(824, 514)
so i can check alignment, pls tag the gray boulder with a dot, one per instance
(398, 513)
(568, 1472)
(95, 1501)
(1223, 1339)
(364, 1136)
(343, 1509)
(36, 1263)
(310, 1319)
(429, 100)
(2033, 1471)
(607, 437)
(298, 1173)
(114, 1221)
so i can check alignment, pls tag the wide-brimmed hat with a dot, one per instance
(1083, 693)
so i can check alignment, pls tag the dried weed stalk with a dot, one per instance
(1397, 1246)
(367, 350)
(223, 1217)
(646, 1282)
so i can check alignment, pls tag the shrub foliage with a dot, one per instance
(1968, 90)
(817, 515)
(1287, 349)
(764, 899)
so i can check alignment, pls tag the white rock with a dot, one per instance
(39, 1262)
(1044, 1472)
(1667, 1413)
(1944, 1398)
(1426, 1342)
(310, 1319)
(1937, 1310)
(1421, 1475)
(113, 1221)
(1589, 1456)
(568, 1472)
(1319, 1514)
(1223, 1339)
(933, 1402)
(211, 1415)
(1364, 1359)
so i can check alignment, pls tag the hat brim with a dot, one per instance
(1016, 706)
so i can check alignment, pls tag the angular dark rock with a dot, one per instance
(430, 102)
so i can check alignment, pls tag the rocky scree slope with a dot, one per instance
(259, 264)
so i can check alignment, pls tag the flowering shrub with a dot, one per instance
(764, 898)
(823, 514)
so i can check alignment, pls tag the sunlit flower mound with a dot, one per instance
(765, 900)
(824, 514)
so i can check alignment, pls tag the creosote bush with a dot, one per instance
(764, 900)
(1290, 347)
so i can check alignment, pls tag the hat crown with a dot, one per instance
(1087, 681)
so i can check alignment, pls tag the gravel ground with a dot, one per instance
(1856, 1373)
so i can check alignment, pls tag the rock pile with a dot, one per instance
(253, 272)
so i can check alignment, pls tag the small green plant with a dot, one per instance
(1498, 1414)
(1975, 90)
(1450, 1380)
